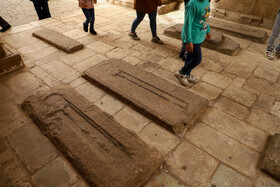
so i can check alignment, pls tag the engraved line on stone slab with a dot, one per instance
(99, 128)
(167, 96)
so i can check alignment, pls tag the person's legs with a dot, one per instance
(38, 9)
(137, 21)
(192, 60)
(182, 53)
(153, 22)
(45, 10)
(88, 18)
(274, 34)
(91, 11)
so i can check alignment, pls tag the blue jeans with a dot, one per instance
(89, 13)
(140, 17)
(275, 33)
(192, 60)
(42, 9)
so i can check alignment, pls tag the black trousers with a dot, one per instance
(42, 9)
(3, 23)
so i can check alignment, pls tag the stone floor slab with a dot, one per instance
(32, 148)
(225, 149)
(265, 181)
(163, 179)
(227, 177)
(239, 30)
(270, 163)
(104, 152)
(58, 40)
(218, 42)
(192, 165)
(173, 107)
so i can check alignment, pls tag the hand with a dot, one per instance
(159, 2)
(208, 37)
(189, 48)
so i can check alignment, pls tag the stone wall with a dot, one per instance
(253, 12)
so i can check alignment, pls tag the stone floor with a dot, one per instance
(222, 149)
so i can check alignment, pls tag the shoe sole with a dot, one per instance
(133, 37)
(179, 78)
(157, 42)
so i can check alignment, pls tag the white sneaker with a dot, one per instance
(182, 78)
(269, 55)
(191, 79)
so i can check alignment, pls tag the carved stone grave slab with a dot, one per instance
(58, 40)
(169, 105)
(218, 41)
(104, 152)
(270, 163)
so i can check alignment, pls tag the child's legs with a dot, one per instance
(137, 21)
(92, 15)
(45, 9)
(183, 49)
(38, 8)
(275, 33)
(153, 22)
(87, 15)
(192, 60)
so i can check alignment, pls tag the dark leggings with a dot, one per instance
(42, 9)
(140, 17)
(89, 13)
(192, 60)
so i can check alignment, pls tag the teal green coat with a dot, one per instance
(195, 25)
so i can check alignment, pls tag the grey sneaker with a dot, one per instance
(133, 36)
(269, 55)
(157, 40)
(191, 79)
(182, 78)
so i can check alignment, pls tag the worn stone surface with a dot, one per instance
(193, 166)
(154, 135)
(131, 119)
(11, 111)
(109, 104)
(91, 92)
(57, 173)
(235, 109)
(218, 42)
(265, 102)
(264, 121)
(227, 177)
(239, 30)
(235, 128)
(270, 163)
(163, 179)
(11, 170)
(266, 73)
(217, 80)
(32, 149)
(10, 63)
(206, 90)
(276, 109)
(58, 40)
(103, 152)
(172, 106)
(224, 148)
(265, 181)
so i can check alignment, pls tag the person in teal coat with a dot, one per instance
(42, 8)
(194, 32)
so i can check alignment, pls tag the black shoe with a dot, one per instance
(93, 32)
(85, 27)
(5, 28)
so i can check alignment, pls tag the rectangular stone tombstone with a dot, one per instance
(58, 40)
(171, 106)
(104, 152)
(218, 41)
(239, 30)
(270, 163)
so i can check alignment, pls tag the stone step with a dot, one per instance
(239, 30)
(58, 40)
(218, 41)
(173, 107)
(270, 163)
(168, 7)
(104, 152)
(9, 60)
